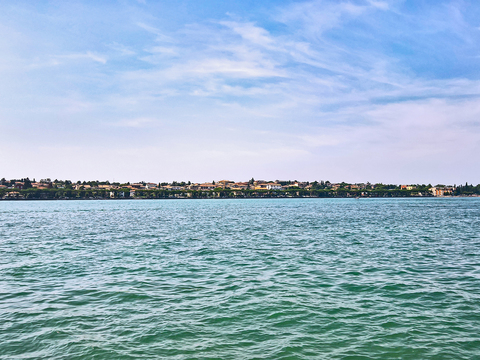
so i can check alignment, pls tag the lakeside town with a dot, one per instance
(47, 189)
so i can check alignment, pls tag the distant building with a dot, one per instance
(225, 184)
(239, 186)
(13, 195)
(173, 187)
(274, 186)
(195, 186)
(442, 190)
(105, 187)
(82, 187)
(19, 185)
(261, 186)
(41, 186)
(207, 186)
(138, 186)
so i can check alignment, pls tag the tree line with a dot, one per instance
(53, 193)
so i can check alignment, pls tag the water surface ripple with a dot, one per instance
(240, 279)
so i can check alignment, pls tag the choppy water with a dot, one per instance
(240, 279)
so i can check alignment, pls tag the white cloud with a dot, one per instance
(315, 17)
(379, 4)
(151, 29)
(122, 49)
(250, 32)
(141, 122)
(80, 56)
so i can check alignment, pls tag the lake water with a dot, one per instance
(240, 279)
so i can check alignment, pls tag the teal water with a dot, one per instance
(240, 279)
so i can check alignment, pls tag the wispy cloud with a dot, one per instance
(84, 56)
(153, 30)
(122, 49)
(137, 122)
(250, 32)
(313, 18)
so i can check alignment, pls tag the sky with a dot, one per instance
(176, 90)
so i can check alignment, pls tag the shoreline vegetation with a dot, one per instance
(46, 189)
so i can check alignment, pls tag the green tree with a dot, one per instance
(27, 183)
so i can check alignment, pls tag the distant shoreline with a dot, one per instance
(246, 198)
(46, 189)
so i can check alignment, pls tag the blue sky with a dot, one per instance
(371, 90)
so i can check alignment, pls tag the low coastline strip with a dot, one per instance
(24, 189)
